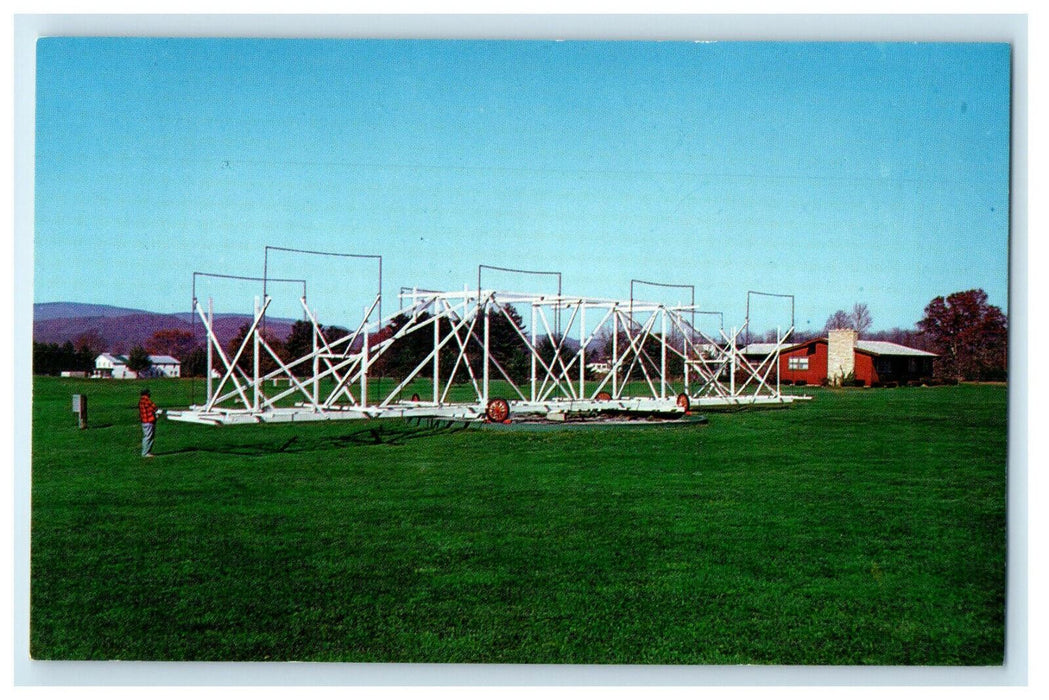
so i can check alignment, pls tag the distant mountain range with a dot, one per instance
(122, 328)
(67, 309)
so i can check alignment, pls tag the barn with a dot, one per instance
(841, 353)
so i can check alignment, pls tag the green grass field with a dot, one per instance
(863, 527)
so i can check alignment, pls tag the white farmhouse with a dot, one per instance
(110, 366)
(165, 366)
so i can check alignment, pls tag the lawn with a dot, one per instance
(863, 527)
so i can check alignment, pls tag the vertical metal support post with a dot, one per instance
(365, 365)
(685, 345)
(663, 353)
(534, 350)
(732, 363)
(211, 341)
(255, 359)
(484, 375)
(316, 366)
(777, 361)
(436, 356)
(615, 351)
(582, 349)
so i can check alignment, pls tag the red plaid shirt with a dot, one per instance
(147, 410)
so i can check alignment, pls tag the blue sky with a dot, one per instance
(837, 172)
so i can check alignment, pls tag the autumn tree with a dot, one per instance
(175, 342)
(90, 342)
(968, 334)
(335, 333)
(234, 344)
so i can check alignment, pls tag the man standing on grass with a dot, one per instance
(147, 413)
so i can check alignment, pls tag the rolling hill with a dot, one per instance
(122, 328)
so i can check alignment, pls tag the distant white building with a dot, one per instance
(599, 367)
(165, 366)
(109, 366)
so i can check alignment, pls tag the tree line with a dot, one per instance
(969, 336)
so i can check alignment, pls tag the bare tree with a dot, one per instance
(838, 320)
(861, 318)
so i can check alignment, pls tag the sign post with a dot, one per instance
(80, 409)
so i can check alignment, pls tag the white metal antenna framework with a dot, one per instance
(557, 357)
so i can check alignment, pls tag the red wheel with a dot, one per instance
(498, 410)
(683, 401)
(603, 396)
